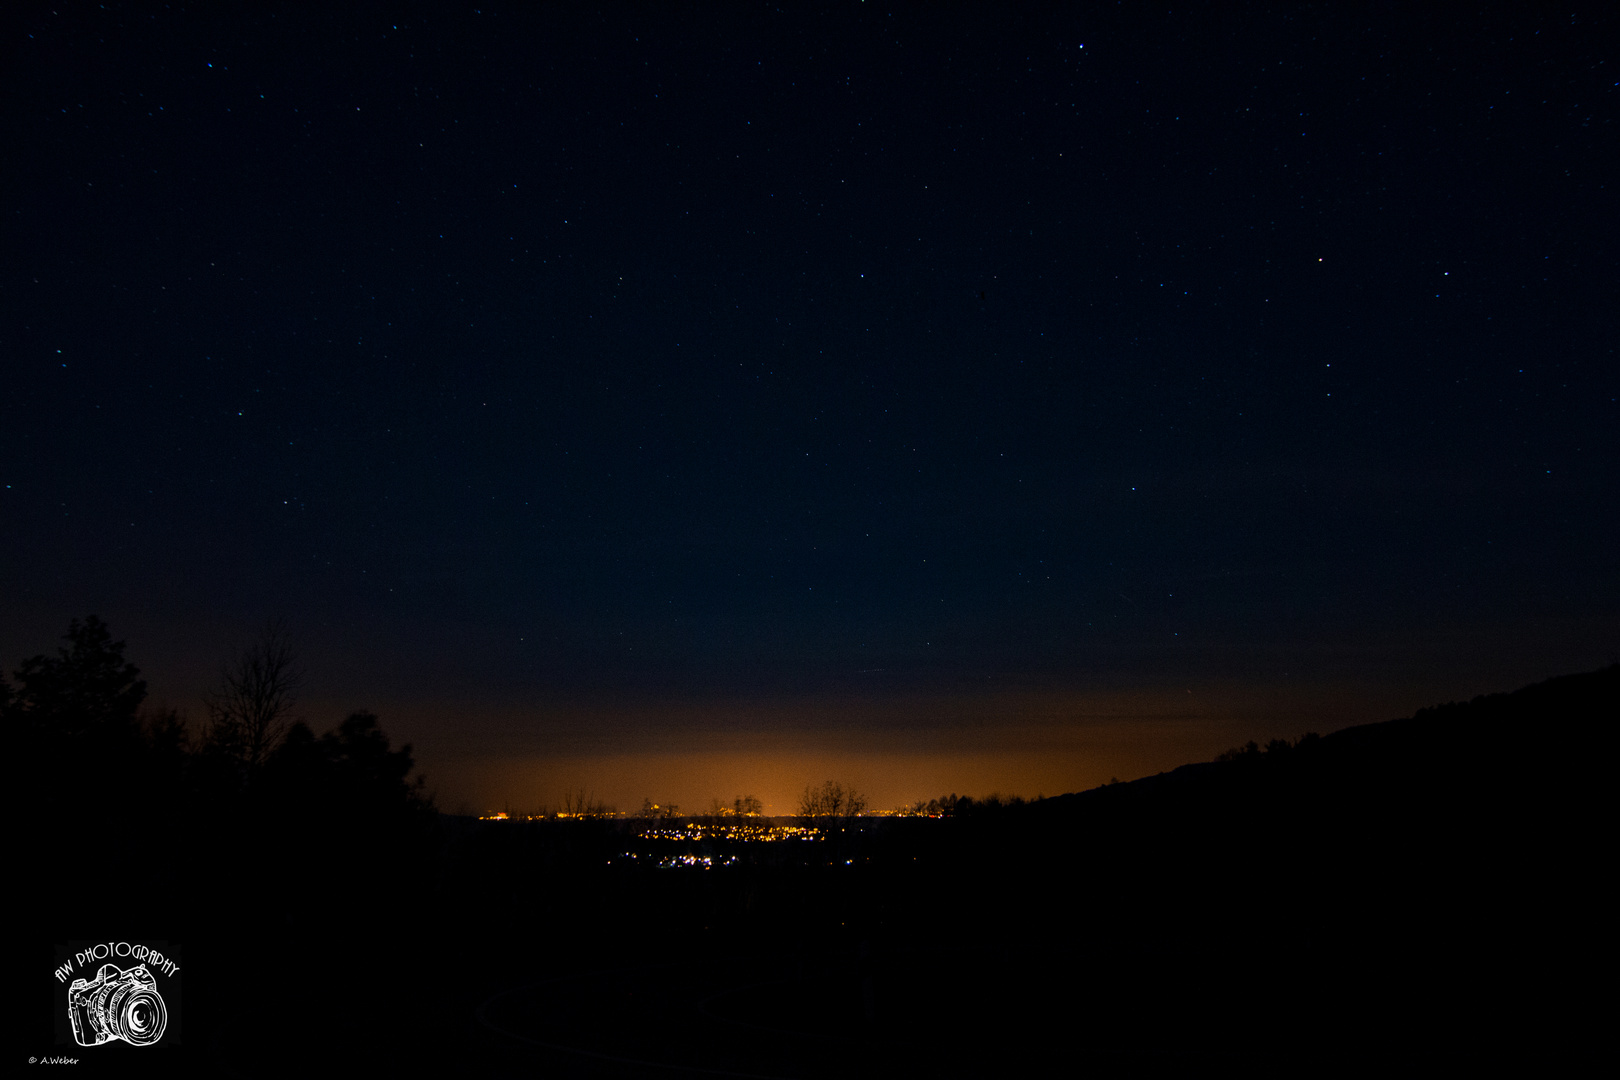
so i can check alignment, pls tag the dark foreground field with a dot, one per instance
(1411, 889)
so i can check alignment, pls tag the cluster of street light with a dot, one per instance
(742, 833)
(670, 862)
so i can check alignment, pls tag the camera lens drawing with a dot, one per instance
(117, 1005)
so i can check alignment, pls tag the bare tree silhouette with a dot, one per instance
(741, 806)
(250, 710)
(577, 804)
(650, 809)
(831, 800)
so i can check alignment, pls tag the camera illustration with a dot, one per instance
(117, 1005)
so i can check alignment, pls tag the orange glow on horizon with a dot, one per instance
(895, 751)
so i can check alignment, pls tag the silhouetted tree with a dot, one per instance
(741, 806)
(831, 800)
(345, 797)
(650, 809)
(1249, 749)
(86, 693)
(166, 771)
(299, 769)
(249, 712)
(77, 743)
(580, 805)
(368, 770)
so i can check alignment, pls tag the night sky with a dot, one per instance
(678, 402)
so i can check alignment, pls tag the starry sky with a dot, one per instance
(683, 401)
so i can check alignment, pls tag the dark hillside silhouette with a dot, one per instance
(1426, 863)
(1463, 762)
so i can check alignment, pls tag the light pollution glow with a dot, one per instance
(895, 750)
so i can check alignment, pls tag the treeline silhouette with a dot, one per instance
(954, 805)
(94, 757)
(241, 845)
(1346, 895)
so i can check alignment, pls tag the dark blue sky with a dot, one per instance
(860, 350)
